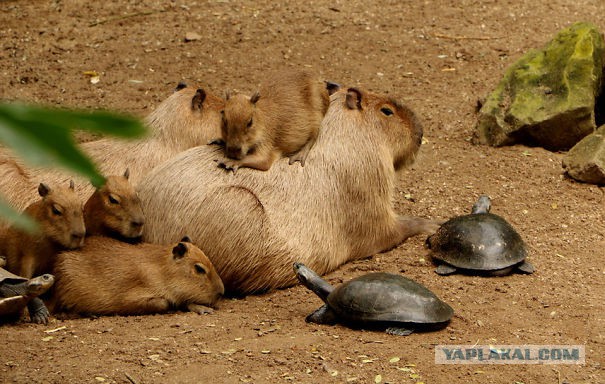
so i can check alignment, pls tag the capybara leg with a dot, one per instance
(144, 304)
(303, 153)
(199, 309)
(260, 161)
(406, 227)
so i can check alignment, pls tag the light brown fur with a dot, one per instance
(59, 216)
(283, 118)
(108, 277)
(114, 210)
(254, 225)
(184, 120)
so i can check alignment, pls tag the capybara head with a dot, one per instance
(114, 210)
(60, 217)
(239, 131)
(195, 279)
(187, 118)
(398, 124)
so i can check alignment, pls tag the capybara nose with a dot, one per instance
(77, 238)
(234, 152)
(137, 224)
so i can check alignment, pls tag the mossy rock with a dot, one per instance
(547, 97)
(585, 161)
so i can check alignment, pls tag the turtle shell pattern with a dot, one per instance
(385, 297)
(479, 241)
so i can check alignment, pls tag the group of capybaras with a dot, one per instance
(213, 202)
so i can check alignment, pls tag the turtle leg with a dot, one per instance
(445, 269)
(526, 267)
(323, 315)
(398, 331)
(38, 313)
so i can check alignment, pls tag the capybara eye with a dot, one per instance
(249, 124)
(200, 269)
(386, 111)
(56, 210)
(113, 200)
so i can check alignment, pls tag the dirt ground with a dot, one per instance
(436, 56)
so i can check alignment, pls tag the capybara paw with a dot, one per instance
(41, 316)
(417, 225)
(219, 142)
(300, 157)
(200, 309)
(228, 164)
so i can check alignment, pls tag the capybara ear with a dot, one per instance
(227, 94)
(254, 98)
(127, 173)
(332, 87)
(353, 99)
(43, 189)
(186, 239)
(180, 85)
(198, 99)
(72, 186)
(179, 251)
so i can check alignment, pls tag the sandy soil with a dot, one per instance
(436, 57)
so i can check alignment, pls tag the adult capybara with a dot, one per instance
(108, 277)
(282, 118)
(114, 210)
(188, 118)
(339, 207)
(61, 226)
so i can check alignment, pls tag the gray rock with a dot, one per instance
(547, 97)
(586, 160)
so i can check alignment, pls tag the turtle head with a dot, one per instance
(312, 280)
(483, 205)
(39, 285)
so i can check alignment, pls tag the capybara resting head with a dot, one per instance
(109, 277)
(195, 280)
(239, 132)
(60, 216)
(114, 210)
(388, 116)
(188, 118)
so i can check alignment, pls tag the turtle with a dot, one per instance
(17, 292)
(376, 300)
(479, 243)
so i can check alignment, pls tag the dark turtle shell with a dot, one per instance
(10, 278)
(385, 297)
(479, 241)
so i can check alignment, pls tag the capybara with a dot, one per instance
(188, 118)
(108, 277)
(114, 210)
(282, 118)
(339, 207)
(61, 226)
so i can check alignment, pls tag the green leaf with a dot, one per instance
(17, 219)
(42, 136)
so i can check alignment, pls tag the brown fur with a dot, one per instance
(184, 120)
(114, 210)
(59, 216)
(110, 277)
(283, 118)
(254, 225)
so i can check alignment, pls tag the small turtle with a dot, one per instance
(17, 292)
(379, 300)
(479, 243)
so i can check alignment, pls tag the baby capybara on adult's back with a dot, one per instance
(282, 118)
(108, 277)
(339, 207)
